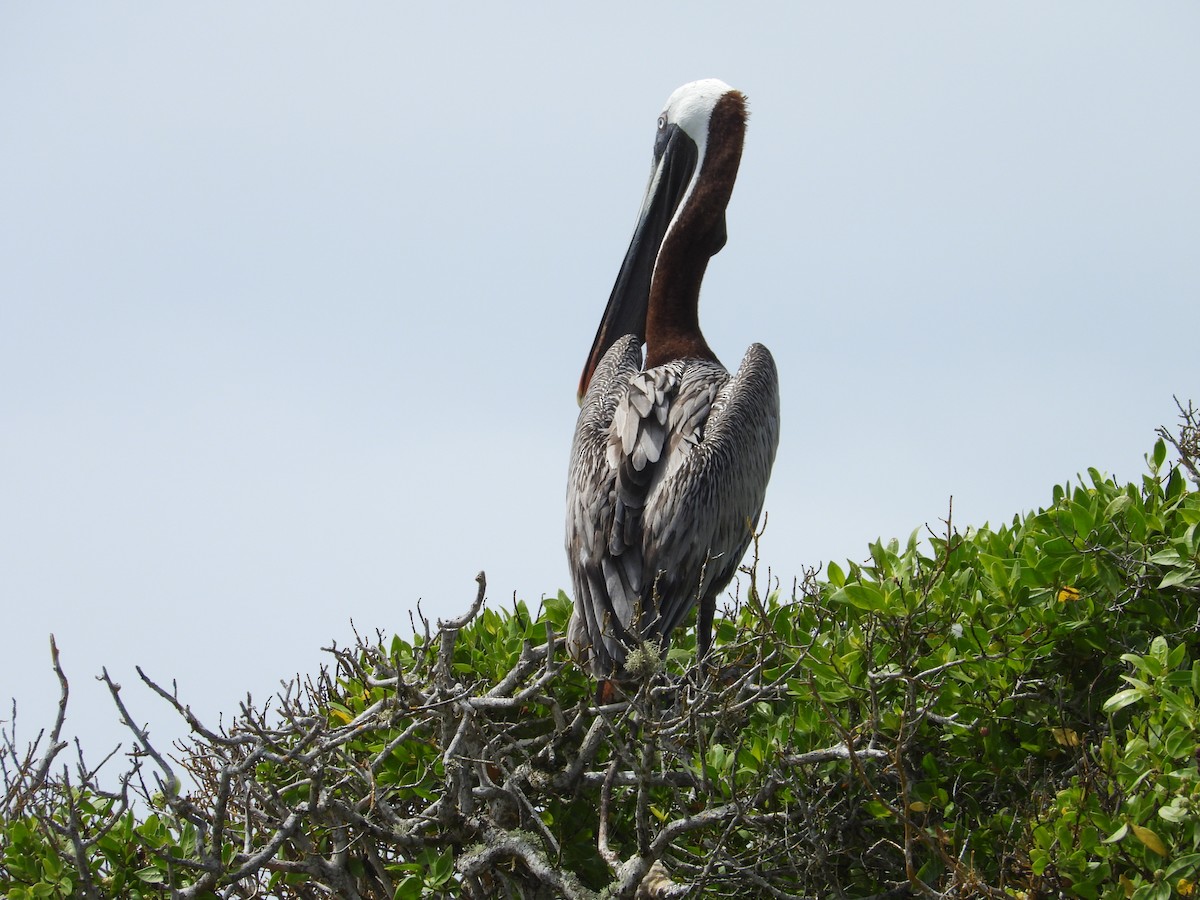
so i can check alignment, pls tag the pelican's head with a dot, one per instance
(685, 198)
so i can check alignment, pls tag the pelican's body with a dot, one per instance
(671, 457)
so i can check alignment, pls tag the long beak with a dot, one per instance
(674, 166)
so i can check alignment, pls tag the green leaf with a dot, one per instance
(151, 875)
(1182, 865)
(411, 888)
(1177, 576)
(1168, 557)
(1158, 649)
(1176, 657)
(1117, 505)
(863, 596)
(1173, 814)
(1039, 860)
(1122, 699)
(1083, 517)
(1117, 835)
(835, 575)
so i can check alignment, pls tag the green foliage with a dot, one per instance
(999, 662)
(1008, 711)
(1132, 819)
(125, 858)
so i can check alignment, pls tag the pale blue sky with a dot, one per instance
(294, 297)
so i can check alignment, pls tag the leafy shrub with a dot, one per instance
(1006, 712)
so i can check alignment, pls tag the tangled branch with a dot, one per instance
(473, 761)
(899, 728)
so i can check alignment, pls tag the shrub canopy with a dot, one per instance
(1006, 712)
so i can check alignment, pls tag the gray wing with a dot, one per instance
(596, 632)
(669, 469)
(700, 518)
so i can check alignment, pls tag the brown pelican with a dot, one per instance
(670, 461)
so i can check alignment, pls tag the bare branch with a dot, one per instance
(17, 794)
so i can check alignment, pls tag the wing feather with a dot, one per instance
(702, 518)
(668, 476)
(604, 592)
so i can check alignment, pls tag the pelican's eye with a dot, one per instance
(662, 121)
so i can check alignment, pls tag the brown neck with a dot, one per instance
(672, 318)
